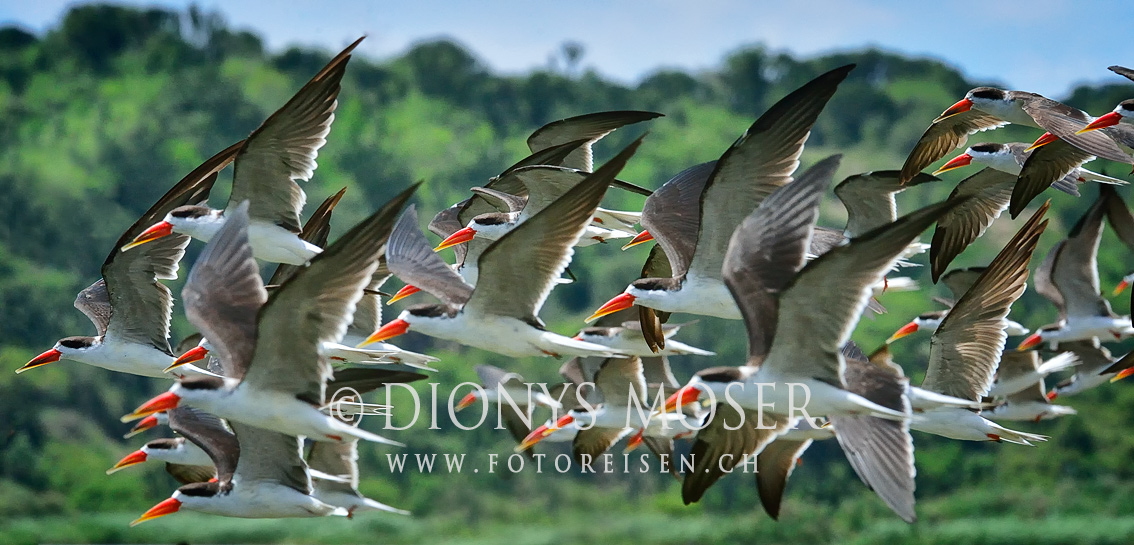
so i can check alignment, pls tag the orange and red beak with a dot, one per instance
(406, 291)
(1123, 374)
(1044, 139)
(1032, 341)
(155, 231)
(160, 510)
(45, 358)
(1121, 287)
(134, 458)
(460, 237)
(539, 433)
(388, 331)
(466, 401)
(962, 160)
(634, 442)
(681, 398)
(962, 105)
(640, 238)
(1052, 395)
(197, 353)
(1108, 120)
(160, 403)
(622, 301)
(142, 425)
(907, 329)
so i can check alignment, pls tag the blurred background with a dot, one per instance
(103, 107)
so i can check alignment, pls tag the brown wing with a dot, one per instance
(810, 336)
(769, 248)
(1075, 270)
(588, 127)
(187, 474)
(595, 441)
(94, 302)
(518, 271)
(283, 149)
(410, 257)
(269, 457)
(944, 136)
(363, 380)
(966, 348)
(773, 467)
(224, 293)
(958, 281)
(315, 306)
(315, 231)
(447, 222)
(1118, 214)
(869, 198)
(989, 192)
(208, 432)
(1044, 166)
(335, 458)
(762, 160)
(880, 451)
(1064, 121)
(673, 215)
(650, 320)
(617, 376)
(718, 450)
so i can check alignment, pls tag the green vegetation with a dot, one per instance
(100, 115)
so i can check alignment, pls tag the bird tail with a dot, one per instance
(1100, 178)
(1017, 437)
(1063, 361)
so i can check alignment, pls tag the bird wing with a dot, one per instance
(774, 465)
(283, 149)
(316, 306)
(410, 257)
(617, 376)
(1075, 271)
(1064, 121)
(224, 293)
(989, 192)
(944, 136)
(651, 320)
(769, 248)
(966, 348)
(94, 302)
(759, 162)
(820, 308)
(717, 449)
(595, 441)
(1045, 165)
(869, 198)
(269, 457)
(880, 451)
(210, 433)
(339, 459)
(491, 376)
(588, 127)
(958, 281)
(518, 271)
(673, 215)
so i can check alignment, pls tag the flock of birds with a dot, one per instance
(735, 239)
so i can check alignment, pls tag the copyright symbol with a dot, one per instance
(347, 406)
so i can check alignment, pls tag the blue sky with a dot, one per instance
(1044, 46)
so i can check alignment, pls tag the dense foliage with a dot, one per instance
(101, 114)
